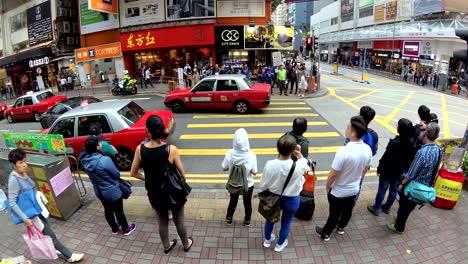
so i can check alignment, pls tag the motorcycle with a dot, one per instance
(119, 89)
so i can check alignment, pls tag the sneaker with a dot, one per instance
(340, 231)
(267, 243)
(371, 209)
(229, 220)
(279, 248)
(319, 232)
(170, 215)
(386, 211)
(116, 232)
(392, 228)
(247, 223)
(130, 229)
(75, 257)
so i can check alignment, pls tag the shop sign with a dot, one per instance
(229, 37)
(426, 48)
(411, 48)
(240, 8)
(141, 12)
(382, 54)
(269, 37)
(396, 55)
(426, 57)
(39, 24)
(39, 62)
(379, 13)
(178, 10)
(50, 143)
(106, 51)
(106, 6)
(94, 21)
(183, 36)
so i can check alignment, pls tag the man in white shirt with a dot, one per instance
(148, 76)
(350, 164)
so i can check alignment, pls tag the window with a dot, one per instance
(19, 103)
(226, 85)
(131, 113)
(45, 95)
(365, 12)
(334, 21)
(64, 127)
(204, 86)
(85, 122)
(28, 101)
(58, 109)
(249, 82)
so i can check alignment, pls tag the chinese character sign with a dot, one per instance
(140, 40)
(49, 143)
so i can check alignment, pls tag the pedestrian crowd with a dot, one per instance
(411, 159)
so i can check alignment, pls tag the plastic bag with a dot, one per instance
(3, 200)
(40, 246)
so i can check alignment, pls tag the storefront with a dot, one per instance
(229, 43)
(166, 50)
(100, 64)
(30, 70)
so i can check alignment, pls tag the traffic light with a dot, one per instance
(316, 43)
(308, 43)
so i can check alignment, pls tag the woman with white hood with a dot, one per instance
(240, 154)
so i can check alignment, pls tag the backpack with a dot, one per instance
(237, 182)
(369, 140)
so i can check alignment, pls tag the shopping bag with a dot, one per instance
(40, 246)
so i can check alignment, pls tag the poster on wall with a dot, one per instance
(391, 10)
(19, 31)
(365, 3)
(136, 12)
(189, 9)
(106, 6)
(379, 13)
(39, 24)
(405, 9)
(269, 37)
(94, 21)
(347, 8)
(240, 8)
(422, 7)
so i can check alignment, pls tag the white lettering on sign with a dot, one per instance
(39, 62)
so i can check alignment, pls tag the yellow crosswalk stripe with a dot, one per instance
(265, 124)
(287, 103)
(255, 115)
(258, 151)
(287, 108)
(257, 136)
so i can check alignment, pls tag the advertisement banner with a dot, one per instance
(189, 9)
(240, 8)
(269, 37)
(106, 6)
(411, 48)
(229, 37)
(405, 9)
(365, 3)
(39, 24)
(347, 7)
(19, 31)
(93, 21)
(49, 143)
(194, 35)
(136, 12)
(379, 13)
(422, 7)
(392, 10)
(105, 51)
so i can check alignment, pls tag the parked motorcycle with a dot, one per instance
(119, 89)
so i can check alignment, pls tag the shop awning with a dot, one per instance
(26, 55)
(64, 57)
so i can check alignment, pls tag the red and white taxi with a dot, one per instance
(230, 91)
(32, 105)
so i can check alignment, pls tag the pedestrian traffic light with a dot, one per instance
(316, 43)
(308, 43)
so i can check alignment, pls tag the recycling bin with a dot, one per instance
(53, 177)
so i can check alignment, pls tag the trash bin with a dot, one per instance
(53, 177)
(448, 186)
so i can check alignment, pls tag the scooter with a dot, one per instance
(119, 89)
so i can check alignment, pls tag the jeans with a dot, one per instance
(289, 207)
(57, 244)
(178, 217)
(247, 198)
(113, 210)
(341, 210)
(386, 183)
(406, 207)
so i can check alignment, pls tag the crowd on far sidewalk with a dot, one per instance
(427, 78)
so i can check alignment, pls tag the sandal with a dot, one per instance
(174, 242)
(187, 249)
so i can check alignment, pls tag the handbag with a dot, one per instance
(419, 193)
(27, 202)
(125, 188)
(269, 206)
(174, 188)
(40, 245)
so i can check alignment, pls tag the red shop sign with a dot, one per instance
(198, 35)
(411, 48)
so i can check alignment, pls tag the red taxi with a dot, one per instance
(228, 91)
(3, 107)
(32, 105)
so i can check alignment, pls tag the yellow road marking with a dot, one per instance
(398, 108)
(330, 77)
(363, 95)
(257, 136)
(287, 108)
(258, 151)
(287, 103)
(445, 117)
(267, 124)
(457, 123)
(254, 115)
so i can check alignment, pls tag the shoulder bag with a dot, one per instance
(269, 206)
(27, 202)
(174, 188)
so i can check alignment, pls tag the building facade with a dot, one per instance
(391, 35)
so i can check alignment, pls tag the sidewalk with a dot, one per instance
(433, 235)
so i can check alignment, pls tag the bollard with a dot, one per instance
(454, 88)
(313, 84)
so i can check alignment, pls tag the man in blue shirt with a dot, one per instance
(423, 169)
